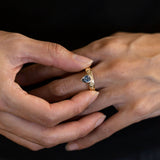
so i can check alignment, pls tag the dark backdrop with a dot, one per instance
(74, 23)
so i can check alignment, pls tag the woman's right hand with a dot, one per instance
(31, 121)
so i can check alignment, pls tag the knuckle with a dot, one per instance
(46, 139)
(77, 108)
(54, 48)
(57, 47)
(75, 111)
(138, 42)
(49, 119)
(141, 108)
(80, 131)
(17, 35)
(108, 131)
(99, 44)
(83, 132)
(96, 45)
(102, 44)
(58, 88)
(116, 45)
(110, 45)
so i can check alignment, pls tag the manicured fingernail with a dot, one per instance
(95, 94)
(83, 60)
(100, 121)
(72, 146)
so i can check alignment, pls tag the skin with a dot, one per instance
(29, 120)
(126, 71)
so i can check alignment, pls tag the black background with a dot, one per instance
(74, 24)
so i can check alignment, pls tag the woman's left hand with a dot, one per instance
(127, 75)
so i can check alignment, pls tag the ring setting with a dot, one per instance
(89, 79)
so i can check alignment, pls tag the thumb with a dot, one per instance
(52, 54)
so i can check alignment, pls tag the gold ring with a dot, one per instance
(89, 79)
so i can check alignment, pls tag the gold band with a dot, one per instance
(89, 79)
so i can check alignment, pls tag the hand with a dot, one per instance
(31, 121)
(127, 75)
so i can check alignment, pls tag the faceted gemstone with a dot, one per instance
(86, 79)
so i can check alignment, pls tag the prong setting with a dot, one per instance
(89, 79)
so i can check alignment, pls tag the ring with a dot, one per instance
(89, 79)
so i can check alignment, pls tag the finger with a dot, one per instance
(109, 127)
(61, 89)
(72, 130)
(113, 95)
(68, 86)
(108, 48)
(23, 129)
(52, 54)
(21, 141)
(37, 73)
(49, 137)
(41, 72)
(39, 111)
(93, 51)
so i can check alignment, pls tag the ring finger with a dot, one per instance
(69, 86)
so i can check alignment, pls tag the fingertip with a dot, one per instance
(71, 147)
(83, 61)
(100, 120)
(94, 93)
(89, 97)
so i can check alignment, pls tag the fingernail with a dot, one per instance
(95, 94)
(100, 121)
(83, 60)
(72, 146)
